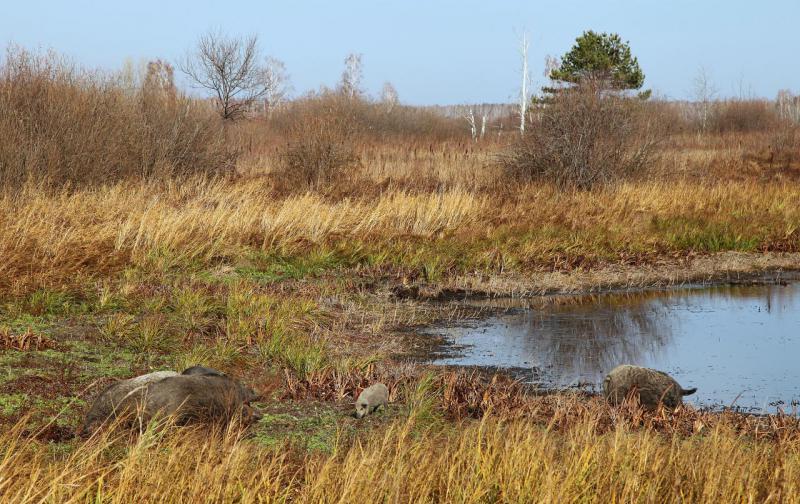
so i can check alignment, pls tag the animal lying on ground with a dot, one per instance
(108, 401)
(371, 398)
(651, 386)
(187, 398)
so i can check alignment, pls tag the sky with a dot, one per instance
(435, 51)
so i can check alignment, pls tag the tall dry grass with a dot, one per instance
(493, 460)
(48, 238)
(102, 230)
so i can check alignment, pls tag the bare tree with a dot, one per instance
(160, 79)
(523, 94)
(132, 75)
(550, 63)
(473, 125)
(276, 82)
(389, 96)
(352, 75)
(788, 105)
(704, 94)
(229, 68)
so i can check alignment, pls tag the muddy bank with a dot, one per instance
(721, 268)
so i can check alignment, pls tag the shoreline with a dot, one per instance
(733, 268)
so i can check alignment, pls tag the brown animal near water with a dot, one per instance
(188, 398)
(650, 386)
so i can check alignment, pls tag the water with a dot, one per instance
(740, 345)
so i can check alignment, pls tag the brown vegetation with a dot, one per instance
(585, 137)
(23, 341)
(67, 127)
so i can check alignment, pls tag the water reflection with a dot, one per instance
(734, 342)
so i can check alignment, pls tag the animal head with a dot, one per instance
(362, 408)
(87, 428)
(248, 394)
(251, 414)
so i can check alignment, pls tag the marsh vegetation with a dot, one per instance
(142, 231)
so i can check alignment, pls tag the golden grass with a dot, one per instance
(100, 230)
(493, 460)
(50, 238)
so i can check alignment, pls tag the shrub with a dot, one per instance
(61, 125)
(321, 143)
(373, 121)
(584, 137)
(743, 116)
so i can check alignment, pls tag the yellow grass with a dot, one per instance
(51, 238)
(488, 461)
(94, 230)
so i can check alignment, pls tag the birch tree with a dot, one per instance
(524, 93)
(389, 96)
(352, 75)
(276, 82)
(788, 105)
(473, 125)
(704, 94)
(160, 78)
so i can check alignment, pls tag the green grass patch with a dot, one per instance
(314, 427)
(10, 404)
(685, 233)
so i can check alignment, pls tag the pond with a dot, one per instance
(739, 345)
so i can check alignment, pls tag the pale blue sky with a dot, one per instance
(436, 51)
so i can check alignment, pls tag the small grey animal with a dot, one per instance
(651, 386)
(202, 370)
(106, 404)
(191, 398)
(371, 398)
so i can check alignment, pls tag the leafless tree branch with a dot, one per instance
(229, 68)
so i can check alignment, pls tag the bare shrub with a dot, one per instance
(743, 116)
(373, 121)
(321, 144)
(230, 70)
(784, 143)
(585, 137)
(61, 125)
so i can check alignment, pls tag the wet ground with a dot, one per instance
(740, 345)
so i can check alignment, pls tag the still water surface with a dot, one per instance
(740, 345)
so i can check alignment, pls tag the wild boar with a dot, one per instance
(190, 398)
(202, 370)
(106, 404)
(371, 398)
(651, 386)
